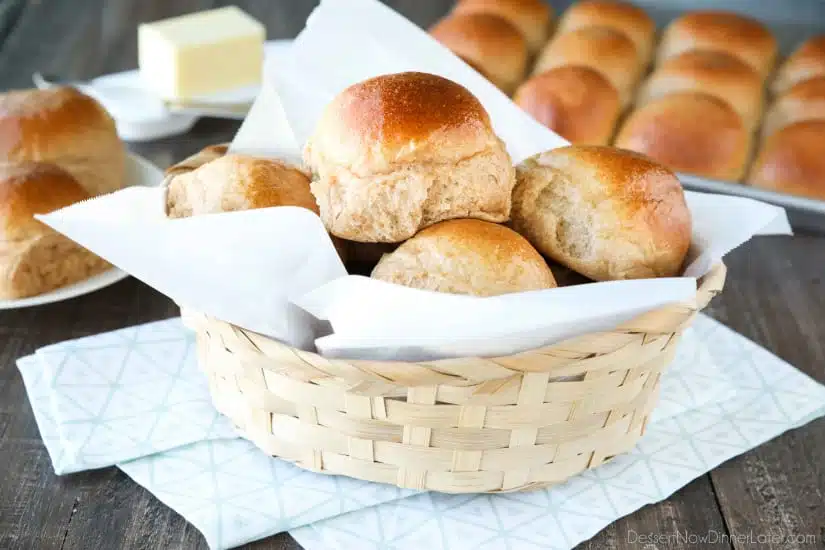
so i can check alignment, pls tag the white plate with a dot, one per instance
(139, 171)
(155, 124)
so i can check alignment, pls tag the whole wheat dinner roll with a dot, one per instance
(488, 42)
(631, 20)
(396, 153)
(603, 212)
(714, 73)
(64, 127)
(212, 181)
(207, 154)
(807, 61)
(603, 49)
(792, 161)
(531, 17)
(689, 132)
(721, 31)
(466, 256)
(34, 258)
(231, 183)
(802, 101)
(578, 103)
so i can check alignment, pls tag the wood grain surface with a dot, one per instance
(774, 296)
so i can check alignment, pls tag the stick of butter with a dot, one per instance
(201, 53)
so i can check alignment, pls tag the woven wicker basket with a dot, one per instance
(462, 425)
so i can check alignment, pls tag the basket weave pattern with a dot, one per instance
(512, 423)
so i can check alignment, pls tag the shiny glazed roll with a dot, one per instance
(531, 17)
(621, 16)
(397, 153)
(578, 103)
(603, 49)
(803, 101)
(721, 31)
(791, 161)
(489, 42)
(691, 133)
(714, 73)
(807, 61)
(64, 127)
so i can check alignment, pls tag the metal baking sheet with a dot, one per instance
(806, 215)
(791, 22)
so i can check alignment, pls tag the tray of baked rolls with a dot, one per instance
(728, 93)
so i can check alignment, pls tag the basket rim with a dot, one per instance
(641, 330)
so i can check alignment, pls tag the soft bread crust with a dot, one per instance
(466, 256)
(197, 160)
(714, 73)
(578, 103)
(396, 153)
(232, 183)
(531, 17)
(722, 31)
(803, 101)
(807, 61)
(212, 181)
(64, 127)
(624, 17)
(689, 132)
(791, 161)
(488, 42)
(603, 212)
(33, 257)
(603, 49)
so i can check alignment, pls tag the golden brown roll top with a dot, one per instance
(792, 160)
(621, 16)
(207, 154)
(578, 103)
(714, 73)
(396, 153)
(230, 183)
(603, 49)
(803, 101)
(531, 17)
(488, 42)
(67, 128)
(31, 188)
(34, 258)
(466, 256)
(807, 61)
(400, 118)
(721, 31)
(689, 132)
(603, 212)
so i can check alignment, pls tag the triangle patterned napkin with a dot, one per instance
(136, 398)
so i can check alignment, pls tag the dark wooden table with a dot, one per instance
(774, 296)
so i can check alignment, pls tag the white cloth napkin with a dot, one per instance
(135, 398)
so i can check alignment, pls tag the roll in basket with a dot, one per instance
(466, 425)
